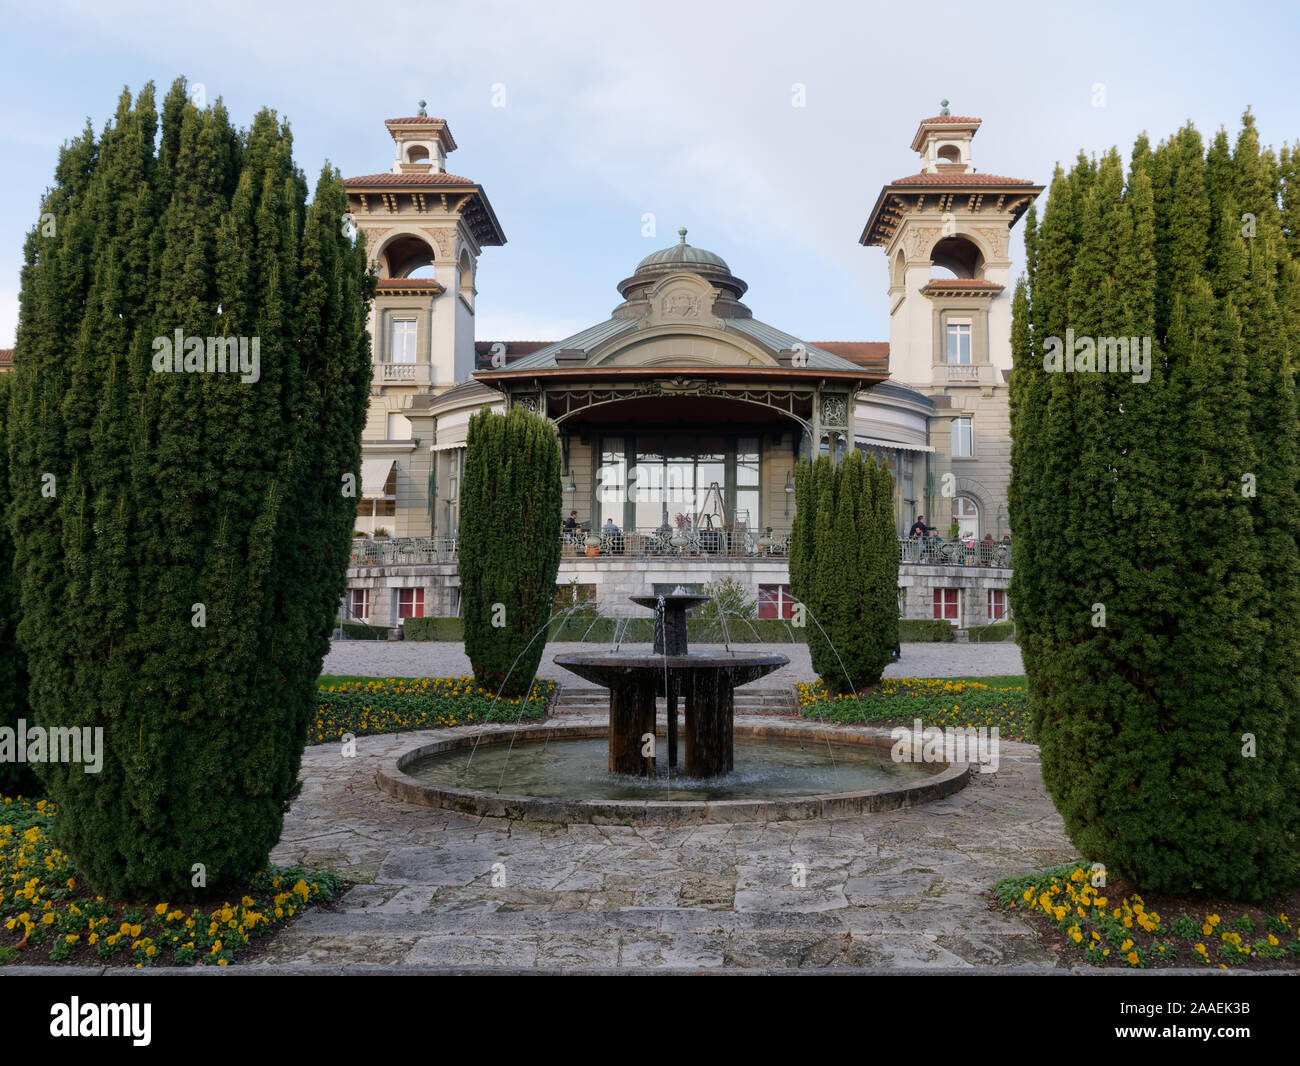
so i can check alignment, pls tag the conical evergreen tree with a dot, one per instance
(510, 514)
(847, 574)
(1170, 505)
(16, 778)
(180, 584)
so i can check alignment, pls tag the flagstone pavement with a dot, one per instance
(900, 890)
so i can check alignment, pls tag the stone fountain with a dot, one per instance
(706, 684)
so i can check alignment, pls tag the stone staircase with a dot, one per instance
(595, 701)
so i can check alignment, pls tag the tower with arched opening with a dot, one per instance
(946, 231)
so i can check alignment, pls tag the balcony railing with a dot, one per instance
(403, 551)
(938, 552)
(683, 545)
(661, 542)
(402, 373)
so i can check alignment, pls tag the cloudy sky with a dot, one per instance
(681, 110)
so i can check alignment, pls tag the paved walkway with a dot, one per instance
(900, 890)
(401, 658)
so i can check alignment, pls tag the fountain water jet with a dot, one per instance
(707, 684)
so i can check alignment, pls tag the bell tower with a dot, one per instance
(946, 233)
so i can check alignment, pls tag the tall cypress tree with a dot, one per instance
(847, 571)
(1154, 567)
(180, 579)
(511, 505)
(15, 778)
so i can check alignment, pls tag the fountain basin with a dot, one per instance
(706, 681)
(911, 786)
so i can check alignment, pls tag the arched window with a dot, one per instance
(967, 515)
(466, 276)
(950, 153)
(956, 257)
(405, 256)
(417, 153)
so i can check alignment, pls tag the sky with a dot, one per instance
(680, 110)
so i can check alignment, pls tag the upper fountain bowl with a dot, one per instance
(673, 601)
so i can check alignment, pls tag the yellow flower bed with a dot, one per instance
(46, 915)
(936, 701)
(1125, 931)
(393, 704)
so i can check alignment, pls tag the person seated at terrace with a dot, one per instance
(919, 528)
(571, 523)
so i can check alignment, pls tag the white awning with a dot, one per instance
(374, 476)
(448, 447)
(878, 443)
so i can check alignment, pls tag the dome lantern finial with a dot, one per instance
(423, 105)
(943, 107)
(682, 234)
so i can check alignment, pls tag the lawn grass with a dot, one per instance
(989, 702)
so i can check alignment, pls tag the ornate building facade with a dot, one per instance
(682, 416)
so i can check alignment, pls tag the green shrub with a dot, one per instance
(1155, 569)
(925, 630)
(992, 633)
(180, 582)
(444, 629)
(844, 568)
(509, 544)
(16, 779)
(363, 631)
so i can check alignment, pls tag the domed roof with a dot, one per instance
(683, 256)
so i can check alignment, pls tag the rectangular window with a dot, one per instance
(401, 348)
(410, 603)
(359, 605)
(958, 340)
(962, 439)
(775, 601)
(946, 605)
(997, 604)
(399, 426)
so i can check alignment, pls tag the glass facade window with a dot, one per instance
(775, 601)
(997, 604)
(967, 514)
(402, 335)
(958, 341)
(359, 607)
(947, 605)
(647, 480)
(963, 445)
(410, 603)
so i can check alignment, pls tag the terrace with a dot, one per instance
(680, 545)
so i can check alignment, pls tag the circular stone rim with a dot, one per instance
(393, 779)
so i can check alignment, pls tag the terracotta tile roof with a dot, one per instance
(959, 179)
(965, 120)
(407, 179)
(962, 283)
(6, 357)
(418, 120)
(864, 353)
(409, 283)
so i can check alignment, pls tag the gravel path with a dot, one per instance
(372, 658)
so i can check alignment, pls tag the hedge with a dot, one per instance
(992, 633)
(925, 630)
(450, 629)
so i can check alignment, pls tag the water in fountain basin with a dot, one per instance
(766, 768)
